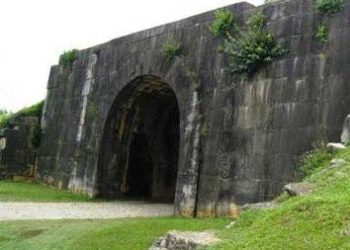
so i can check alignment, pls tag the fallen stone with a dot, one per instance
(175, 240)
(230, 225)
(299, 189)
(345, 232)
(260, 205)
(345, 135)
(335, 146)
(336, 162)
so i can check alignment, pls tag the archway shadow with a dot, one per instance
(139, 149)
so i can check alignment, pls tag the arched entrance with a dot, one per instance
(140, 144)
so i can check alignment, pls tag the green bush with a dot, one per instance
(67, 58)
(171, 50)
(329, 7)
(251, 50)
(5, 120)
(223, 23)
(34, 110)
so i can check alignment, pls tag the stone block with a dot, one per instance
(345, 135)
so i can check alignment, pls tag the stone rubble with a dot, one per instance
(175, 240)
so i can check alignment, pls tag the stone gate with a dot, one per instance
(126, 122)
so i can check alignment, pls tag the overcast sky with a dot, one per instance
(35, 32)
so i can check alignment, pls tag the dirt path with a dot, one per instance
(104, 210)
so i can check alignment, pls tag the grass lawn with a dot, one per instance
(21, 191)
(123, 234)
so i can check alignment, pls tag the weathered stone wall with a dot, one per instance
(17, 151)
(239, 140)
(258, 129)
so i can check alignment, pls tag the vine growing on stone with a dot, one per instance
(249, 50)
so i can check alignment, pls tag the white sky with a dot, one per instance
(33, 33)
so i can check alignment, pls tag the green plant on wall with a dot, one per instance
(322, 33)
(250, 50)
(67, 58)
(327, 8)
(223, 24)
(171, 50)
(194, 79)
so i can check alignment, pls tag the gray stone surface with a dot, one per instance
(345, 135)
(176, 240)
(299, 189)
(260, 205)
(335, 146)
(238, 141)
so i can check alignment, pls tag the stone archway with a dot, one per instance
(140, 144)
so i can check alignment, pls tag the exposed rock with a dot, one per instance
(345, 232)
(345, 136)
(230, 225)
(336, 162)
(185, 240)
(299, 189)
(260, 205)
(335, 146)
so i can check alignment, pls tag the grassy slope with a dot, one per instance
(319, 221)
(125, 234)
(17, 191)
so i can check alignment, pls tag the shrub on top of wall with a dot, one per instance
(4, 119)
(67, 58)
(223, 23)
(329, 6)
(34, 110)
